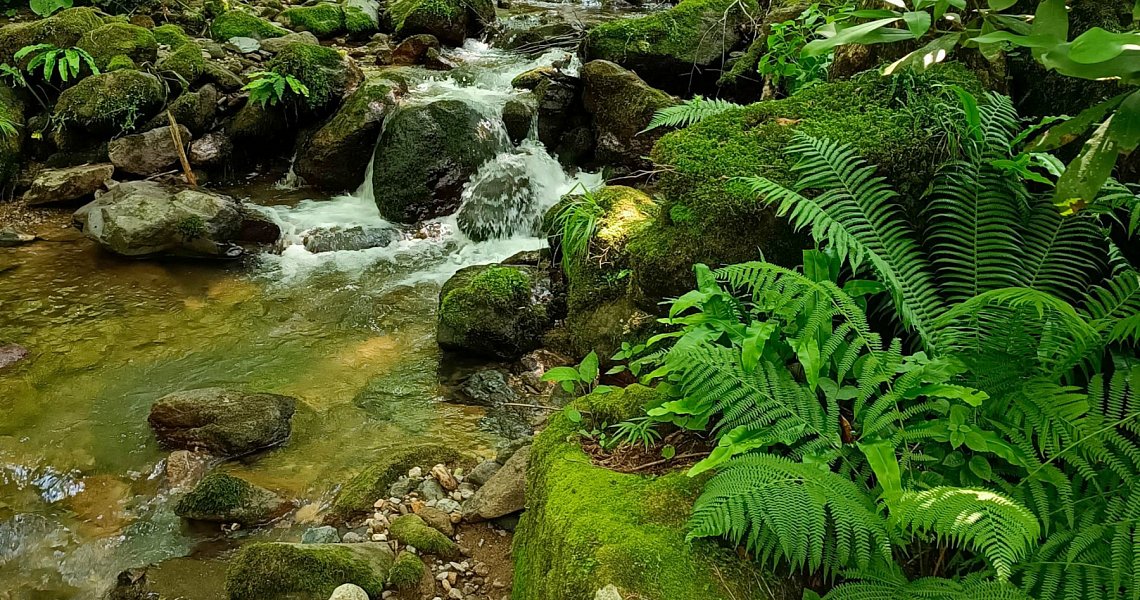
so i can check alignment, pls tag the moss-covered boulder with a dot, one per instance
(359, 493)
(324, 19)
(426, 154)
(238, 23)
(450, 21)
(111, 102)
(411, 530)
(622, 106)
(326, 73)
(336, 156)
(677, 50)
(268, 571)
(11, 146)
(222, 498)
(170, 34)
(494, 311)
(586, 527)
(114, 40)
(62, 30)
(362, 17)
(186, 61)
(406, 572)
(709, 217)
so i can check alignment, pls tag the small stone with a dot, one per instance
(379, 503)
(410, 548)
(482, 570)
(457, 496)
(452, 576)
(349, 591)
(326, 534)
(610, 592)
(445, 584)
(448, 505)
(352, 538)
(455, 594)
(455, 517)
(415, 472)
(430, 489)
(387, 594)
(498, 584)
(379, 537)
(443, 476)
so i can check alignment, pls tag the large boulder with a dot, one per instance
(503, 494)
(679, 50)
(269, 571)
(144, 218)
(222, 422)
(426, 154)
(622, 106)
(328, 75)
(108, 103)
(362, 17)
(336, 157)
(115, 40)
(323, 19)
(61, 30)
(494, 311)
(450, 21)
(222, 498)
(339, 238)
(54, 186)
(149, 152)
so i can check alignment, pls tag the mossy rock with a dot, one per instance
(170, 34)
(187, 61)
(363, 17)
(622, 105)
(111, 102)
(324, 20)
(269, 571)
(238, 23)
(528, 80)
(406, 572)
(112, 40)
(222, 498)
(711, 218)
(450, 21)
(494, 311)
(11, 146)
(411, 530)
(357, 496)
(62, 30)
(586, 527)
(677, 48)
(323, 70)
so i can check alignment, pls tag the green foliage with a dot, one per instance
(688, 112)
(576, 380)
(270, 87)
(191, 227)
(45, 8)
(784, 59)
(575, 224)
(66, 62)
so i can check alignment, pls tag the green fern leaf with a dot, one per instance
(691, 111)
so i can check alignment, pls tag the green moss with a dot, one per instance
(321, 69)
(170, 35)
(186, 60)
(357, 21)
(323, 20)
(406, 572)
(119, 63)
(528, 80)
(586, 526)
(119, 39)
(266, 571)
(371, 484)
(111, 102)
(448, 20)
(237, 23)
(217, 492)
(62, 30)
(11, 110)
(747, 63)
(413, 531)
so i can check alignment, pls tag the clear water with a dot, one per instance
(349, 333)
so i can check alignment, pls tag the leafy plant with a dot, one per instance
(271, 88)
(68, 63)
(575, 224)
(580, 379)
(688, 112)
(45, 8)
(784, 59)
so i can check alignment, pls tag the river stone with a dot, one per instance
(53, 186)
(144, 218)
(518, 116)
(10, 237)
(11, 354)
(336, 238)
(222, 498)
(271, 571)
(275, 45)
(147, 153)
(436, 519)
(448, 505)
(622, 106)
(411, 51)
(493, 311)
(222, 422)
(488, 387)
(503, 494)
(184, 469)
(211, 150)
(501, 200)
(429, 489)
(482, 472)
(402, 487)
(349, 591)
(325, 534)
(243, 45)
(425, 156)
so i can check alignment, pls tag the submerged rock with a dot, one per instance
(11, 354)
(494, 311)
(336, 238)
(488, 387)
(426, 154)
(222, 422)
(11, 237)
(222, 498)
(268, 571)
(147, 153)
(143, 218)
(503, 493)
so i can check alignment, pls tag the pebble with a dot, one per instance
(379, 503)
(352, 538)
(379, 537)
(415, 472)
(444, 477)
(455, 594)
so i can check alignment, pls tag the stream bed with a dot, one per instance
(351, 334)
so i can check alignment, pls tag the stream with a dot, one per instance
(351, 334)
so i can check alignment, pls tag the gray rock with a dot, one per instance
(11, 237)
(144, 218)
(332, 239)
(147, 153)
(402, 487)
(488, 387)
(503, 494)
(622, 105)
(430, 489)
(610, 592)
(223, 422)
(350, 591)
(257, 226)
(501, 199)
(353, 538)
(243, 45)
(222, 498)
(195, 110)
(52, 186)
(11, 354)
(275, 45)
(482, 472)
(518, 116)
(437, 519)
(371, 8)
(211, 150)
(325, 534)
(448, 505)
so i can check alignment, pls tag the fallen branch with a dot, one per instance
(177, 137)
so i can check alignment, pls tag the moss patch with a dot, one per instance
(586, 527)
(488, 310)
(321, 69)
(119, 39)
(371, 484)
(323, 20)
(406, 572)
(268, 571)
(237, 23)
(220, 497)
(186, 60)
(357, 20)
(170, 35)
(62, 30)
(12, 110)
(413, 531)
(111, 102)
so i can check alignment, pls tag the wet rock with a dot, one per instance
(503, 494)
(325, 534)
(518, 116)
(411, 51)
(142, 218)
(11, 237)
(349, 591)
(130, 584)
(622, 106)
(528, 80)
(53, 186)
(147, 153)
(222, 498)
(267, 571)
(451, 21)
(336, 238)
(257, 227)
(223, 422)
(482, 472)
(11, 354)
(425, 156)
(211, 150)
(184, 469)
(487, 388)
(501, 199)
(560, 114)
(275, 45)
(494, 311)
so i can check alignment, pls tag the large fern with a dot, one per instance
(688, 112)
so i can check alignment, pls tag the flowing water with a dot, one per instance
(349, 333)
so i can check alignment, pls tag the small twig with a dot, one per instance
(537, 406)
(177, 137)
(665, 460)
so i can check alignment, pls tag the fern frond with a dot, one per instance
(1114, 308)
(927, 588)
(691, 111)
(1062, 255)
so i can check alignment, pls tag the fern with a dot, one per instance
(691, 111)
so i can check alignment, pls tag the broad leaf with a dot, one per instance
(881, 456)
(918, 22)
(1074, 128)
(1086, 175)
(1097, 45)
(929, 55)
(588, 370)
(849, 35)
